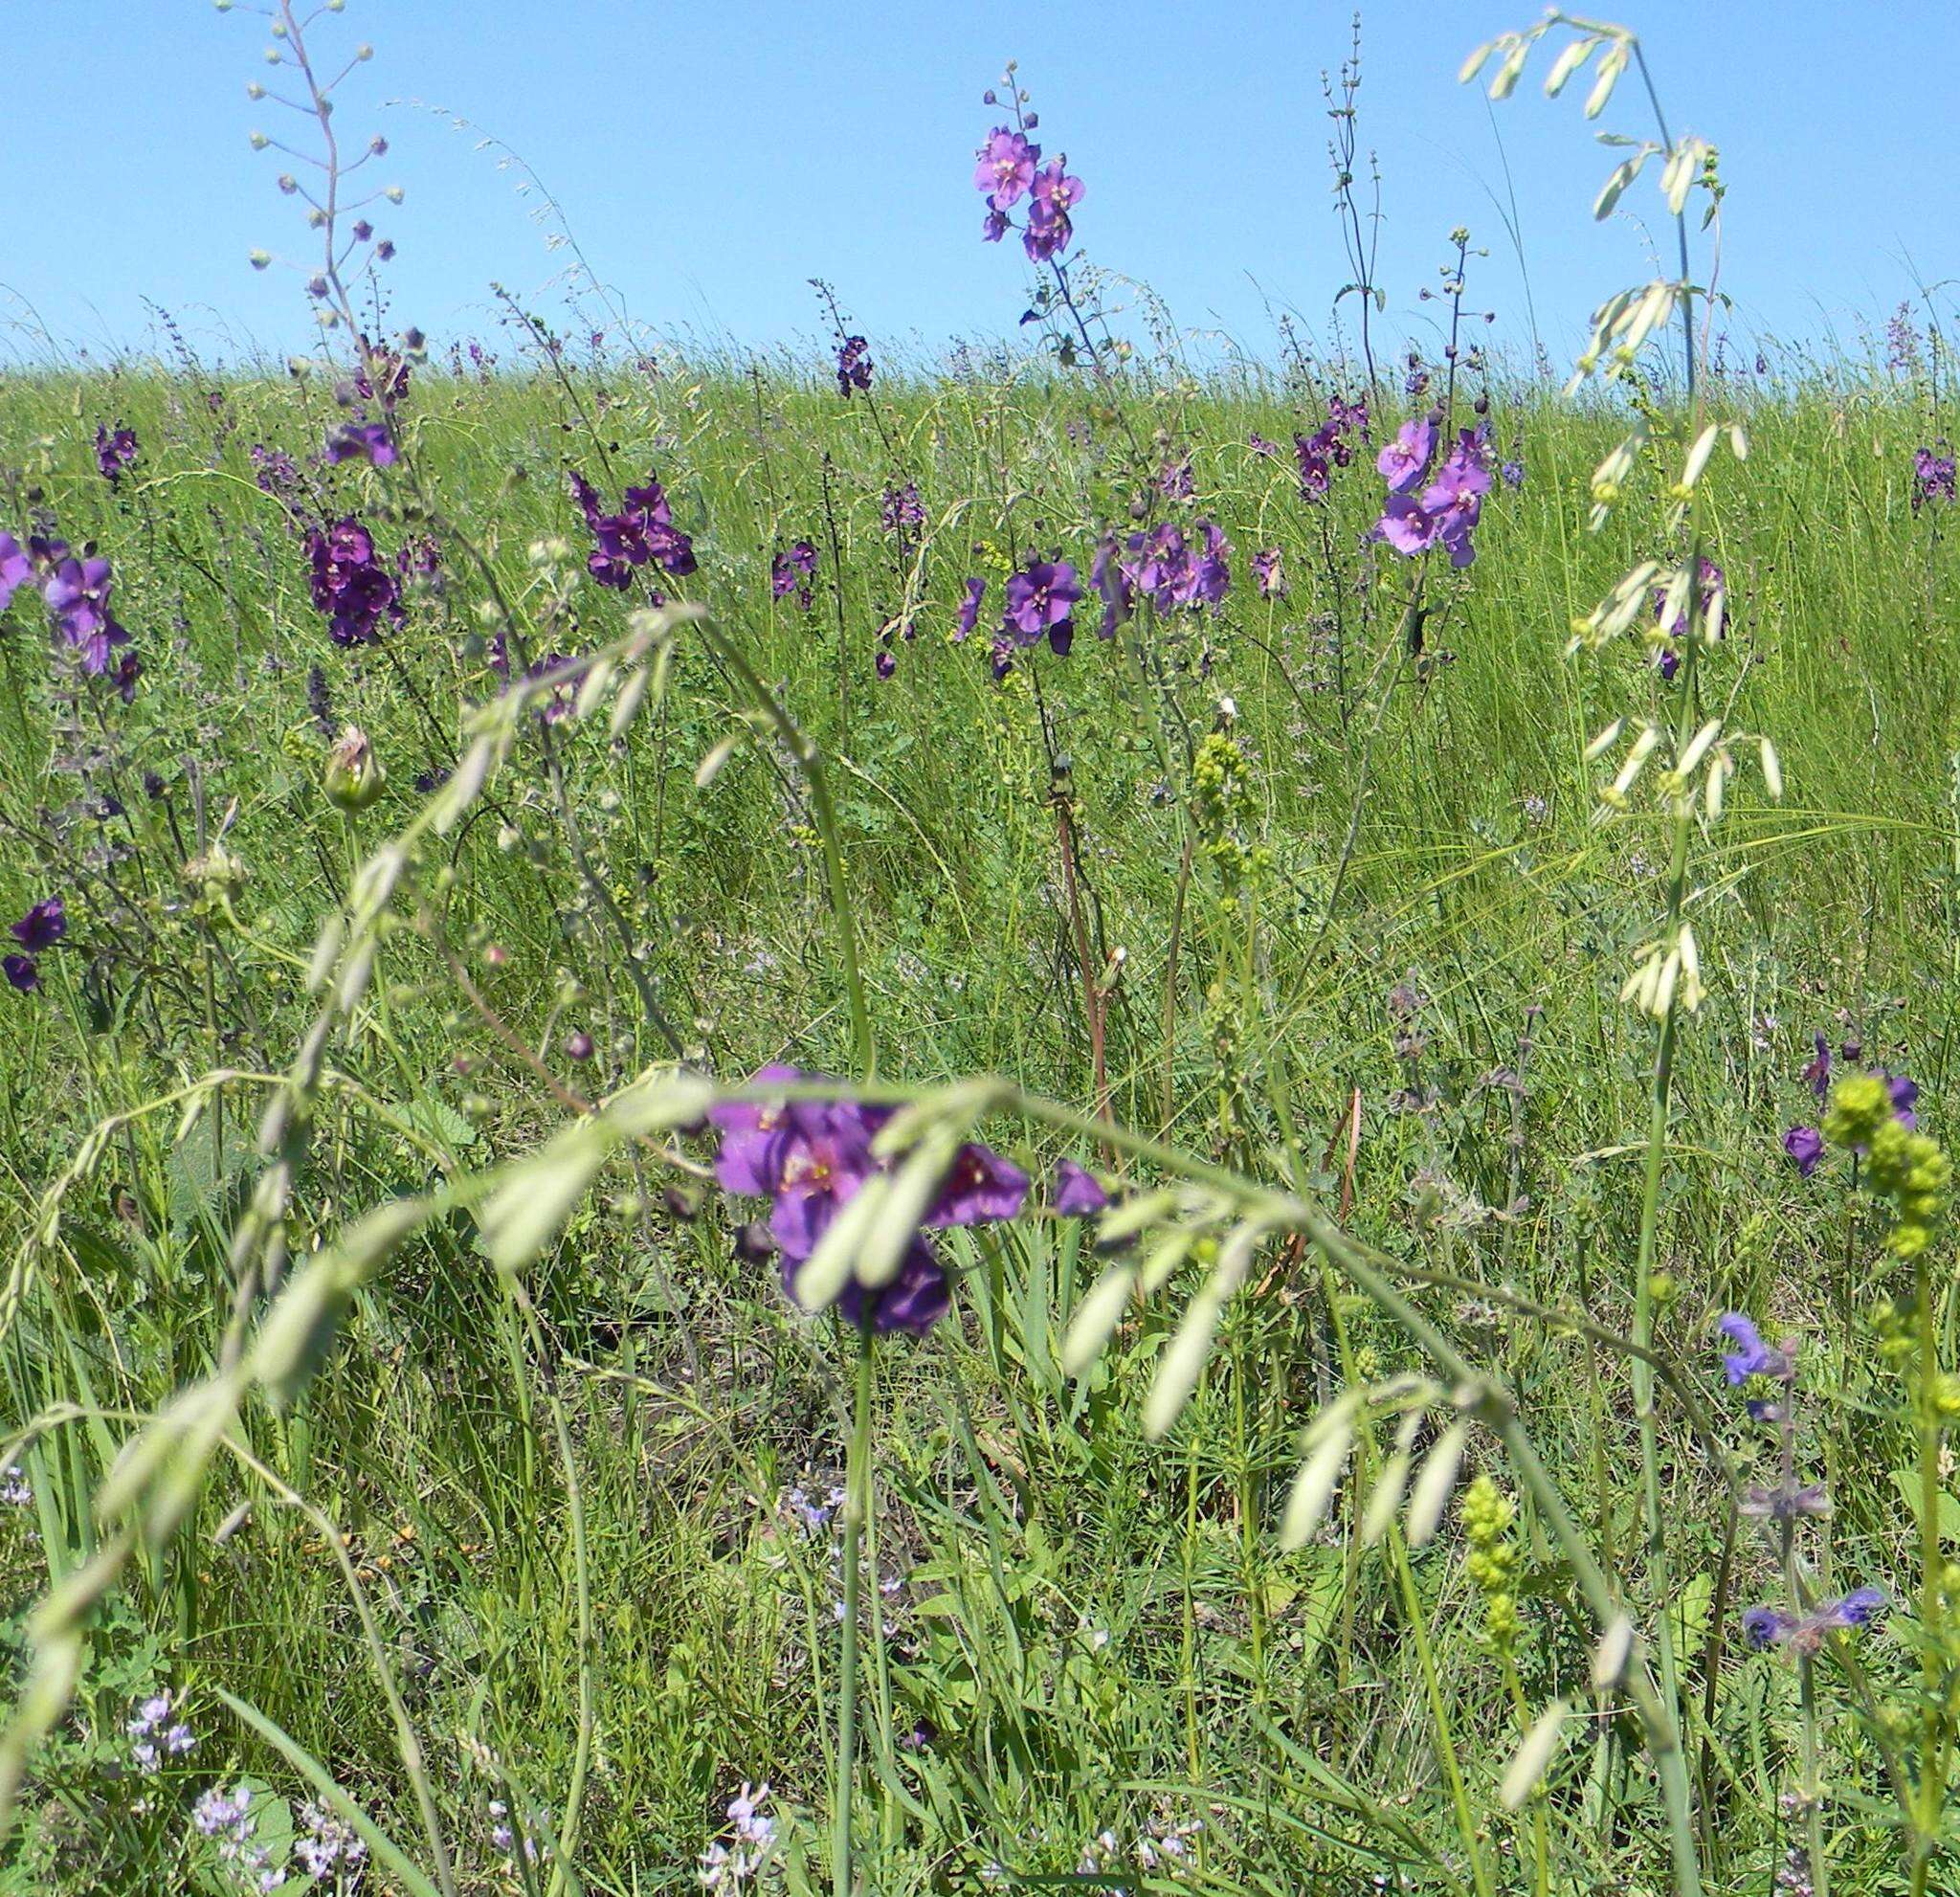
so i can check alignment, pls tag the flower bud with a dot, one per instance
(354, 776)
(259, 141)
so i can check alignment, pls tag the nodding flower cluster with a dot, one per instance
(854, 366)
(1009, 169)
(350, 585)
(809, 1158)
(38, 931)
(640, 534)
(1447, 510)
(794, 569)
(115, 451)
(1330, 447)
(76, 591)
(1933, 478)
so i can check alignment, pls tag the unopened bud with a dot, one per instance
(354, 775)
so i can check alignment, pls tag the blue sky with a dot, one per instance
(710, 159)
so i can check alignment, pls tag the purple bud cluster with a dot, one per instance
(854, 366)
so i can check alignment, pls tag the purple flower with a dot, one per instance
(1109, 580)
(1805, 1145)
(1310, 456)
(1077, 1193)
(350, 585)
(115, 451)
(362, 440)
(1767, 1626)
(1712, 581)
(970, 609)
(1512, 473)
(1818, 1075)
(1751, 1357)
(1905, 1094)
(899, 510)
(15, 568)
(76, 593)
(1404, 462)
(993, 227)
(810, 1157)
(1933, 478)
(1005, 166)
(885, 664)
(276, 471)
(794, 569)
(979, 1186)
(1406, 524)
(1039, 599)
(1267, 574)
(854, 366)
(640, 534)
(21, 972)
(42, 927)
(1049, 225)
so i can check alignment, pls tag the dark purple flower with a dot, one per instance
(1404, 462)
(993, 227)
(1668, 664)
(1766, 1626)
(1751, 1357)
(115, 451)
(21, 972)
(641, 533)
(914, 1301)
(1005, 166)
(979, 1186)
(1933, 478)
(1077, 1192)
(854, 366)
(1268, 574)
(362, 440)
(1905, 1094)
(970, 609)
(794, 569)
(899, 510)
(42, 927)
(1310, 456)
(885, 664)
(1805, 1145)
(1039, 599)
(15, 568)
(275, 470)
(350, 585)
(1050, 228)
(1818, 1075)
(1110, 581)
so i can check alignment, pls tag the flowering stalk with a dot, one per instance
(856, 1512)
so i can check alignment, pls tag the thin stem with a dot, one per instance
(857, 1510)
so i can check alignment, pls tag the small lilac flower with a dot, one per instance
(1404, 462)
(1039, 599)
(1512, 473)
(1174, 479)
(115, 451)
(885, 664)
(1005, 167)
(1767, 1626)
(362, 440)
(970, 609)
(1905, 1094)
(1077, 1192)
(899, 509)
(1109, 580)
(1268, 574)
(1805, 1145)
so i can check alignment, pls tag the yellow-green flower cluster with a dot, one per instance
(1492, 1564)
(1901, 1164)
(1226, 811)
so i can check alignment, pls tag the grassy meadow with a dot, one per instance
(417, 1477)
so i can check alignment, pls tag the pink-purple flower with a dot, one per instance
(1005, 167)
(1042, 598)
(116, 451)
